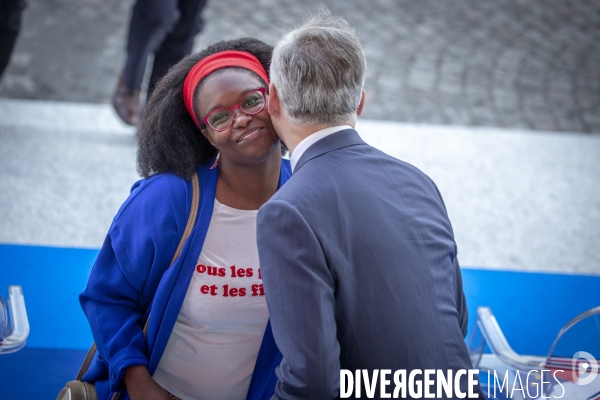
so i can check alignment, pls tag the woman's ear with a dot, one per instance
(204, 132)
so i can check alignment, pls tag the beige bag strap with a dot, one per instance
(191, 219)
(186, 233)
(188, 227)
(86, 362)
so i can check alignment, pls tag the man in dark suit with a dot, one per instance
(356, 251)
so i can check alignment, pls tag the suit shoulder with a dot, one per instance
(404, 166)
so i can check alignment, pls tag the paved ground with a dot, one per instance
(531, 64)
(518, 200)
(522, 198)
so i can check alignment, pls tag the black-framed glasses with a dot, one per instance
(251, 103)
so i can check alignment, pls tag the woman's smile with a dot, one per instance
(250, 134)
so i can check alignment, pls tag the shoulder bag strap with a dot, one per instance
(188, 227)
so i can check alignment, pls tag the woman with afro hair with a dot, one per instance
(208, 335)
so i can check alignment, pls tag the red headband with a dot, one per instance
(208, 65)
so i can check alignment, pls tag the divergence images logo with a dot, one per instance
(584, 371)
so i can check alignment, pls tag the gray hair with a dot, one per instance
(319, 71)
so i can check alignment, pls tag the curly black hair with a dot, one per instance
(168, 138)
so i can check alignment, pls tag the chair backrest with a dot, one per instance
(487, 332)
(14, 330)
(577, 343)
(3, 320)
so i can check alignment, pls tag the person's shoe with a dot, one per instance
(127, 103)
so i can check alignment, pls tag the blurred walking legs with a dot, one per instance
(10, 24)
(164, 27)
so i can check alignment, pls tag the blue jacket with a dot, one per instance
(131, 273)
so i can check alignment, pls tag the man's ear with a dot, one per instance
(363, 96)
(274, 105)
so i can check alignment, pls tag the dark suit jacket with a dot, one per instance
(360, 269)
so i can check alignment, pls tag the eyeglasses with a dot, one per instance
(251, 103)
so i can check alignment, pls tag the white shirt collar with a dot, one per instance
(312, 139)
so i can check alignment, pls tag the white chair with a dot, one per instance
(562, 374)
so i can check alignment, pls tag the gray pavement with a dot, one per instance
(518, 200)
(498, 101)
(531, 64)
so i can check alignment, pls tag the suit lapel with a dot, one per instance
(335, 141)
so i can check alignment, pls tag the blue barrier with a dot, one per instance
(51, 278)
(530, 307)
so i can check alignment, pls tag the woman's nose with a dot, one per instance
(240, 118)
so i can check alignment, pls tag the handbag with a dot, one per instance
(80, 390)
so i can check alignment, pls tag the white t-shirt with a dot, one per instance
(214, 344)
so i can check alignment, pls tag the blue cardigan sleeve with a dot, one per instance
(137, 250)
